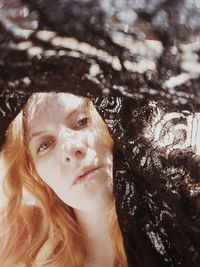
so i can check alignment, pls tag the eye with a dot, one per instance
(44, 146)
(84, 121)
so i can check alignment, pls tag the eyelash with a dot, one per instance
(49, 142)
(81, 123)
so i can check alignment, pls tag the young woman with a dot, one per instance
(59, 151)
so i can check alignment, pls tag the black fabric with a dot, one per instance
(139, 62)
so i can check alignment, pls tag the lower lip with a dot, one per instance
(86, 176)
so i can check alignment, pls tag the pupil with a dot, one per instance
(83, 121)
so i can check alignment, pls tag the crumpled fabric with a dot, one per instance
(139, 63)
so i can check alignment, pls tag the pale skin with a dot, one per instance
(72, 157)
(99, 247)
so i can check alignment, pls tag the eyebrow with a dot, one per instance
(36, 134)
(70, 114)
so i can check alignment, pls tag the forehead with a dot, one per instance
(42, 107)
(45, 99)
(46, 103)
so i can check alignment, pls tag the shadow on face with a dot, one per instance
(71, 149)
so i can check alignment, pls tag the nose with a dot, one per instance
(72, 148)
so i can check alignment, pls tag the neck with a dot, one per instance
(95, 228)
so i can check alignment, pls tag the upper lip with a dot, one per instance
(84, 171)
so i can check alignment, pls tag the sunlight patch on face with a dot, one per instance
(73, 147)
(34, 106)
(41, 102)
(72, 100)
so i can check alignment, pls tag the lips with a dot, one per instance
(85, 172)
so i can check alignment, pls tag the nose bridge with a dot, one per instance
(72, 143)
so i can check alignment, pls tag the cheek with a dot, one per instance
(54, 175)
(47, 170)
(105, 148)
(103, 137)
(102, 131)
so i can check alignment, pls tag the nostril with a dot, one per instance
(67, 159)
(78, 153)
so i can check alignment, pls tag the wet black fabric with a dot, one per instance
(139, 62)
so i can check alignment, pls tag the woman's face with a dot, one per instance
(69, 150)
